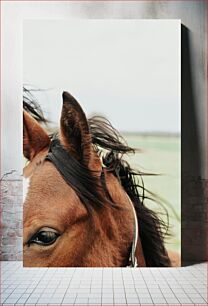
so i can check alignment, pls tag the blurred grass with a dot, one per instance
(160, 154)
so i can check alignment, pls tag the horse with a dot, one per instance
(84, 205)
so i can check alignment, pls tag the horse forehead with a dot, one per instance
(46, 176)
(47, 184)
(47, 189)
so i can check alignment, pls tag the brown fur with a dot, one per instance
(35, 139)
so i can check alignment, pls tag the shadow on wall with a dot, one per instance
(193, 208)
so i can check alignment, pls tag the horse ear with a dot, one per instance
(35, 139)
(75, 134)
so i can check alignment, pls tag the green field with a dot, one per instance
(161, 155)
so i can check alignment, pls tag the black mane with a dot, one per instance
(111, 146)
(31, 106)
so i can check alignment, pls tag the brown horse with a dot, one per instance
(82, 207)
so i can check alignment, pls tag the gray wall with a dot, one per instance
(194, 102)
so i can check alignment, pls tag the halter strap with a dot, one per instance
(132, 257)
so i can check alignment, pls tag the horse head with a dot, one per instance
(78, 210)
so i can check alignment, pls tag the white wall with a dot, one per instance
(194, 93)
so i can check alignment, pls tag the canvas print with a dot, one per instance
(101, 143)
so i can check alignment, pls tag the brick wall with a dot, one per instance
(11, 217)
(194, 221)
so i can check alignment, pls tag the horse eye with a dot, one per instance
(44, 237)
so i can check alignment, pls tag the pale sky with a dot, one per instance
(127, 70)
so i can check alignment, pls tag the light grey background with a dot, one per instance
(125, 69)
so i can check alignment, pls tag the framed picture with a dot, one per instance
(101, 143)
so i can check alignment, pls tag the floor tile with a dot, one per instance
(170, 286)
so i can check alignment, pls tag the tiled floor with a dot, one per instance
(127, 286)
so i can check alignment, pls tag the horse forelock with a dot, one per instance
(84, 181)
